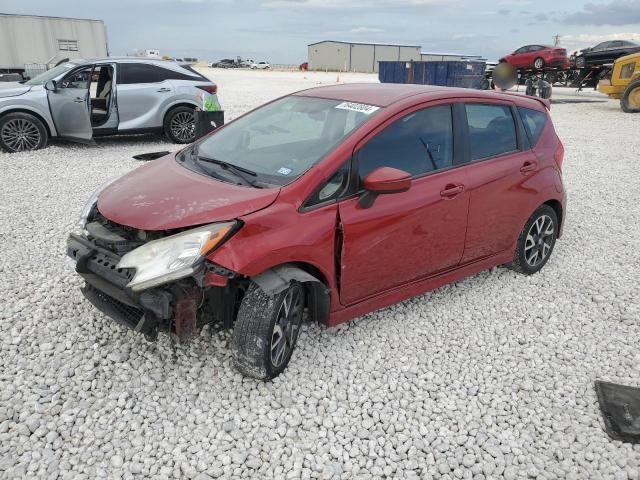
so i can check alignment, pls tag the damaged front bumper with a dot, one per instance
(178, 307)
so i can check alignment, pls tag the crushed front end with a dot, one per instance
(151, 281)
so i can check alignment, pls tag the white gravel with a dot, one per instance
(489, 378)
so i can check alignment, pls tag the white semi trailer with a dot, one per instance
(30, 42)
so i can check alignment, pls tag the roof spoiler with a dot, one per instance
(544, 101)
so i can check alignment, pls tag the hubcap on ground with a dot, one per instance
(539, 240)
(285, 330)
(634, 97)
(20, 135)
(183, 126)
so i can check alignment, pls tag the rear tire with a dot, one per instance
(536, 242)
(180, 125)
(630, 101)
(266, 331)
(22, 132)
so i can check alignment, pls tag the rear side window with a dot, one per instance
(419, 143)
(492, 130)
(146, 73)
(534, 123)
(138, 73)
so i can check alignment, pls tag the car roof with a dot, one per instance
(386, 94)
(124, 59)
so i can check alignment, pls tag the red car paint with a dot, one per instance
(525, 57)
(163, 195)
(446, 226)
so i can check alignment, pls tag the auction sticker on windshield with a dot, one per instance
(358, 107)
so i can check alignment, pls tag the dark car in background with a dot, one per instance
(537, 57)
(603, 53)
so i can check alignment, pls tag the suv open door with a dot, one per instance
(68, 104)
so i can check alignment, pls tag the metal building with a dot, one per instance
(27, 41)
(447, 57)
(357, 56)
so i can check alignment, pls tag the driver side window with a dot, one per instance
(77, 79)
(419, 143)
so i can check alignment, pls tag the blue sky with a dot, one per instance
(279, 30)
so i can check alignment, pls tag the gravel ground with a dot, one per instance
(489, 378)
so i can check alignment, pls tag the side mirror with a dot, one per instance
(51, 86)
(381, 181)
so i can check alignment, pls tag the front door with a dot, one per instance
(405, 236)
(69, 106)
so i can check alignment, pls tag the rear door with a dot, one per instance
(143, 92)
(498, 171)
(405, 236)
(69, 105)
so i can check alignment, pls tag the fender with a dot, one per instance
(45, 116)
(277, 279)
(177, 102)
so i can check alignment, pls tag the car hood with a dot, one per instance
(163, 195)
(13, 89)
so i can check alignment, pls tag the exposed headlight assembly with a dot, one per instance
(85, 213)
(174, 257)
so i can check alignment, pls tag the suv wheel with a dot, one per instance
(20, 132)
(536, 241)
(266, 331)
(630, 101)
(538, 63)
(180, 125)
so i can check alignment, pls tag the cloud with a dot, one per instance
(357, 30)
(577, 42)
(541, 17)
(335, 4)
(504, 11)
(616, 12)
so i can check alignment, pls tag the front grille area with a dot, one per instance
(121, 312)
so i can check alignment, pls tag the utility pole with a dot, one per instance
(556, 40)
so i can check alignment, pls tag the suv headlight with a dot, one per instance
(174, 257)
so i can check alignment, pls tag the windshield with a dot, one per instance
(44, 77)
(280, 141)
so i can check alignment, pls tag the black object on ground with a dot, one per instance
(620, 407)
(207, 122)
(150, 156)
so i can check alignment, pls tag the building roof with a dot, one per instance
(46, 16)
(367, 43)
(450, 54)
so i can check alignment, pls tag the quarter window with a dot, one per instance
(419, 143)
(534, 123)
(492, 130)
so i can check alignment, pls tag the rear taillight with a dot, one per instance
(209, 88)
(559, 155)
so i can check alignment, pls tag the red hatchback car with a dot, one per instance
(537, 57)
(334, 201)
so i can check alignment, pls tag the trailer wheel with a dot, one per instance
(630, 101)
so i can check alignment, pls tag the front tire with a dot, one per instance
(630, 101)
(538, 63)
(536, 241)
(180, 125)
(22, 132)
(266, 331)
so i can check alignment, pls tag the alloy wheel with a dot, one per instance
(183, 126)
(539, 240)
(287, 326)
(539, 63)
(20, 135)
